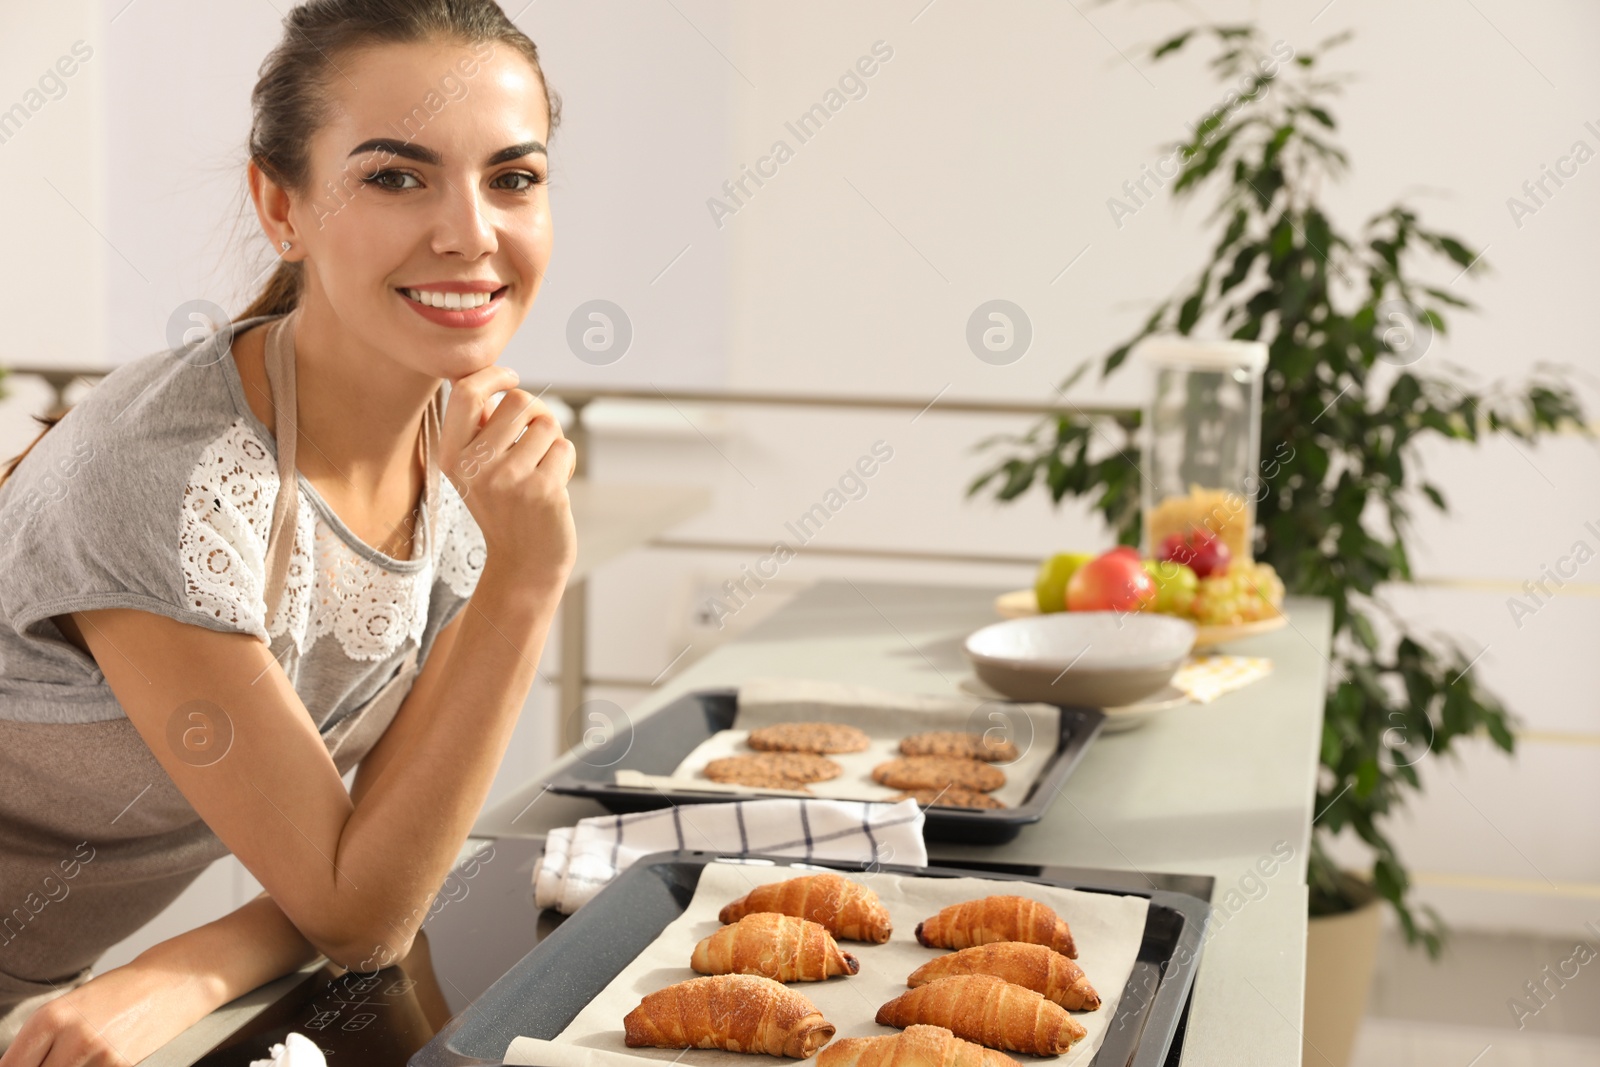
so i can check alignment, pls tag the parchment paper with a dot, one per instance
(886, 717)
(1107, 928)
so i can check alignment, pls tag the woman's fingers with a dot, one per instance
(52, 1037)
(31, 1045)
(560, 460)
(521, 421)
(511, 468)
(478, 432)
(470, 404)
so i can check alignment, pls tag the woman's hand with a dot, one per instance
(511, 468)
(113, 1020)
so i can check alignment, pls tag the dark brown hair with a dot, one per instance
(46, 421)
(290, 101)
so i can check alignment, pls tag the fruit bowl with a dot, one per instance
(1081, 658)
(1021, 603)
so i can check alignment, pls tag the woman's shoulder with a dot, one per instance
(153, 484)
(148, 430)
(160, 402)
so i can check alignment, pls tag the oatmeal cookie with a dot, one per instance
(960, 744)
(816, 737)
(953, 797)
(763, 770)
(936, 772)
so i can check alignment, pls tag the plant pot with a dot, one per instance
(1341, 955)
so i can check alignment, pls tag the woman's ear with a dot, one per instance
(272, 203)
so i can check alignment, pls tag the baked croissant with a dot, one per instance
(1000, 918)
(845, 908)
(737, 1012)
(1036, 967)
(985, 1009)
(915, 1046)
(780, 947)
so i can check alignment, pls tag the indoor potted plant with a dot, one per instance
(1346, 318)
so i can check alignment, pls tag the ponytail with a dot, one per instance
(47, 421)
(281, 293)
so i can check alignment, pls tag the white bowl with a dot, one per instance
(1082, 658)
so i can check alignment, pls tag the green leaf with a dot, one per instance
(1072, 379)
(1500, 732)
(1114, 360)
(1405, 393)
(1457, 251)
(1171, 44)
(1241, 267)
(1202, 164)
(1364, 632)
(1019, 475)
(1234, 232)
(1366, 778)
(1282, 241)
(1446, 297)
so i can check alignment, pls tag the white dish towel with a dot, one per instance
(579, 860)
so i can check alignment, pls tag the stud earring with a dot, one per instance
(286, 246)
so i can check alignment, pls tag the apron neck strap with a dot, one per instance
(280, 375)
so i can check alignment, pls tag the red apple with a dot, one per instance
(1199, 550)
(1113, 581)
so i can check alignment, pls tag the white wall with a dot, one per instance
(977, 165)
(52, 186)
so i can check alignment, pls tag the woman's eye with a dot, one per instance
(533, 178)
(393, 180)
(381, 179)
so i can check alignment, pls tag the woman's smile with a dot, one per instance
(460, 305)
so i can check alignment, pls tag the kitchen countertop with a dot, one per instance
(1224, 789)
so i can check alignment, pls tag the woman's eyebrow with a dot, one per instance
(428, 155)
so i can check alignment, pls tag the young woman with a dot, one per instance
(234, 572)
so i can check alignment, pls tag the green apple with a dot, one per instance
(1050, 587)
(1176, 585)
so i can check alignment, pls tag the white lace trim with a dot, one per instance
(463, 551)
(329, 588)
(222, 536)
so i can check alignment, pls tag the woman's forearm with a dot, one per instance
(230, 956)
(407, 827)
(126, 1013)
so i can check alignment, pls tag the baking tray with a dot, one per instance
(545, 991)
(659, 742)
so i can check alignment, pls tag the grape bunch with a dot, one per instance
(1246, 592)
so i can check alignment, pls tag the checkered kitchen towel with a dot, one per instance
(579, 860)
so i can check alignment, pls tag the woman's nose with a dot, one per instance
(463, 228)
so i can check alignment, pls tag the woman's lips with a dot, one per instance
(461, 319)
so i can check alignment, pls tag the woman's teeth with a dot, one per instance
(450, 301)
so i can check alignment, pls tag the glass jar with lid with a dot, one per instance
(1201, 440)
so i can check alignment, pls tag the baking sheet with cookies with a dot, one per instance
(1108, 929)
(885, 718)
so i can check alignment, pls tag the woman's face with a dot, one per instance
(430, 171)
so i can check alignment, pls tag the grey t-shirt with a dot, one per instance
(156, 492)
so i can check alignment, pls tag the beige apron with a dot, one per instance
(95, 839)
